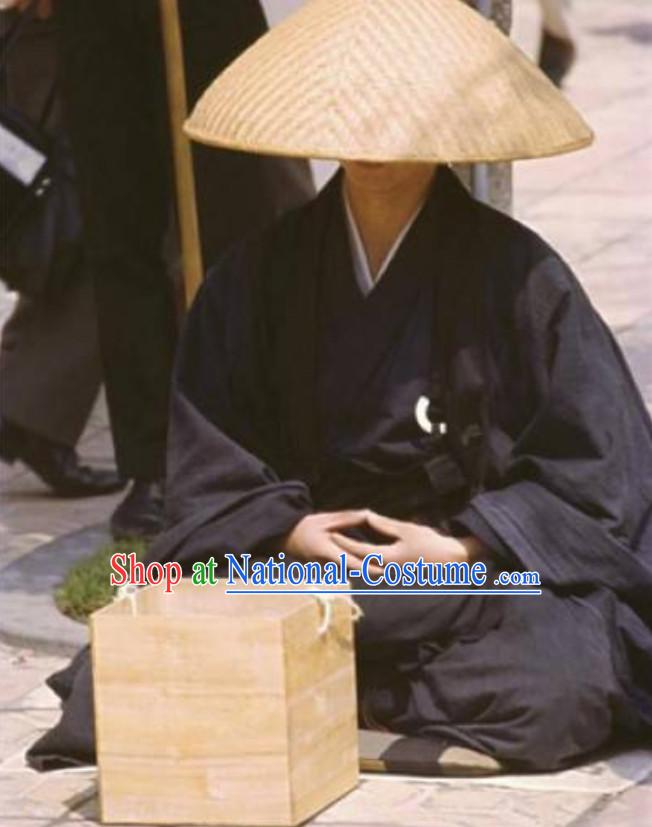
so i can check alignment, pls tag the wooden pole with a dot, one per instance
(184, 174)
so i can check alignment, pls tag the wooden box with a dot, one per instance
(222, 709)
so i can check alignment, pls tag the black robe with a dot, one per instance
(295, 393)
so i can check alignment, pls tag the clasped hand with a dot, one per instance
(320, 537)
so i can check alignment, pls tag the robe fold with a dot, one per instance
(294, 392)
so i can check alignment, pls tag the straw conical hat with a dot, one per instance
(387, 80)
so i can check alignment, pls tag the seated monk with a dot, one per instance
(298, 421)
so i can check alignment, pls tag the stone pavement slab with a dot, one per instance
(29, 614)
(633, 809)
(426, 805)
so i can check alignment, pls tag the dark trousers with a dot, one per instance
(49, 363)
(113, 84)
(533, 681)
(50, 370)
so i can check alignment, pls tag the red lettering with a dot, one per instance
(154, 573)
(170, 573)
(116, 559)
(136, 571)
(173, 573)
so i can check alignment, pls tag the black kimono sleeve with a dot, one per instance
(574, 497)
(221, 494)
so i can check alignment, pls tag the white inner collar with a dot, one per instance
(361, 268)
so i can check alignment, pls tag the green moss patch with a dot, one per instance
(87, 586)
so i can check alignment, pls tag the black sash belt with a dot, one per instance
(431, 490)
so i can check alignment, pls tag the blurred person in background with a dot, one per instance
(557, 51)
(114, 90)
(50, 370)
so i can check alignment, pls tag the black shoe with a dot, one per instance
(56, 464)
(140, 514)
(556, 56)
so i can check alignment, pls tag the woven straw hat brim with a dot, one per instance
(387, 80)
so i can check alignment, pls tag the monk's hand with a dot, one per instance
(312, 537)
(407, 542)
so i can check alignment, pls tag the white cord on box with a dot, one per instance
(326, 602)
(128, 592)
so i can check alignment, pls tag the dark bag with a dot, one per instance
(40, 222)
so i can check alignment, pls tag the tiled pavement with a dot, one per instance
(616, 792)
(596, 208)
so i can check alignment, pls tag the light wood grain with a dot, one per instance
(217, 709)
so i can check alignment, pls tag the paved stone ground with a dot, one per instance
(596, 208)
